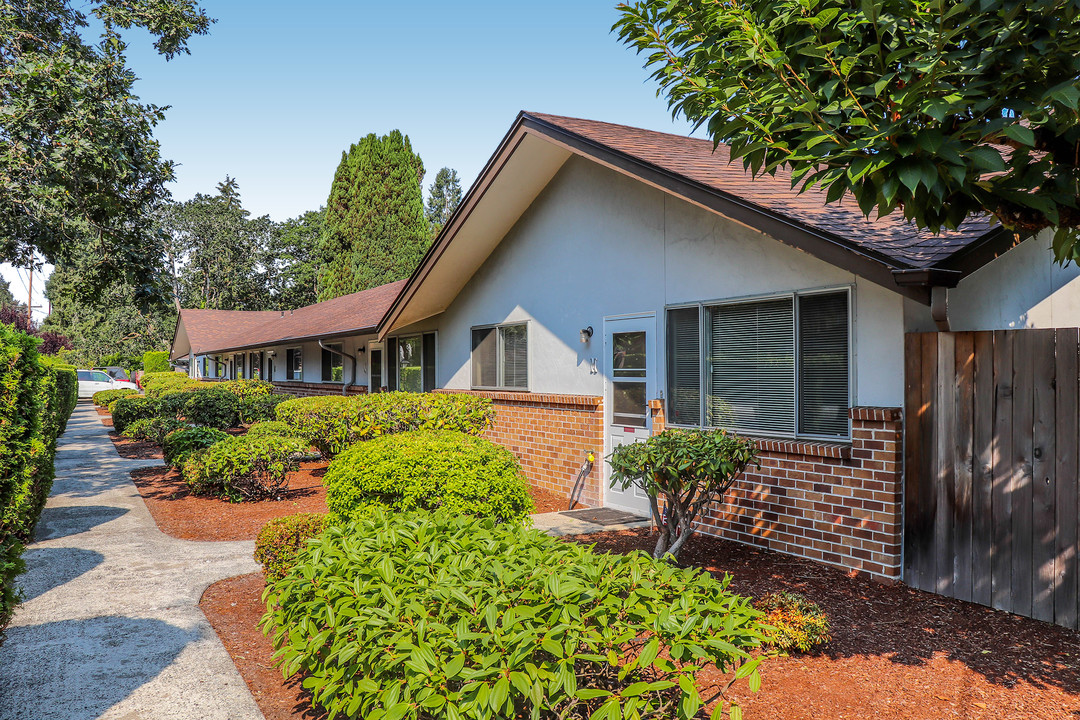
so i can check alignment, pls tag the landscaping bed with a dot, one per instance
(182, 515)
(896, 652)
(135, 449)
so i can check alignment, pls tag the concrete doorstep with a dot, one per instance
(110, 625)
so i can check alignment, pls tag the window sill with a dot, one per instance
(836, 451)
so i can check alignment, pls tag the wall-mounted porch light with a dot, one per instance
(586, 333)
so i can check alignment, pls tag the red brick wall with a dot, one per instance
(303, 389)
(550, 435)
(837, 504)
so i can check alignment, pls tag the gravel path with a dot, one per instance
(110, 625)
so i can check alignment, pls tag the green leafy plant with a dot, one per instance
(212, 407)
(243, 468)
(270, 427)
(127, 410)
(443, 616)
(156, 384)
(153, 429)
(426, 470)
(259, 408)
(281, 539)
(103, 398)
(686, 470)
(248, 388)
(943, 112)
(333, 423)
(154, 361)
(794, 622)
(179, 444)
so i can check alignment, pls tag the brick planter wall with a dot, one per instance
(303, 389)
(837, 504)
(550, 435)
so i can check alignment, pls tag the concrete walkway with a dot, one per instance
(559, 525)
(110, 625)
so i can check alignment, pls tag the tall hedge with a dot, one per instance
(37, 395)
(154, 361)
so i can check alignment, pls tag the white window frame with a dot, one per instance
(499, 371)
(703, 305)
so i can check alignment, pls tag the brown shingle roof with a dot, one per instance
(891, 237)
(220, 330)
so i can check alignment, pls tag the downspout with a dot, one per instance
(331, 350)
(939, 307)
(217, 366)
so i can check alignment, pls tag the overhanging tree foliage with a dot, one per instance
(376, 231)
(939, 110)
(78, 160)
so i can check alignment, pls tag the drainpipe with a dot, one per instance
(331, 350)
(217, 367)
(939, 307)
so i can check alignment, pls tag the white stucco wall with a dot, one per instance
(596, 243)
(1023, 288)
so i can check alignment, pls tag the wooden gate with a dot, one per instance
(991, 488)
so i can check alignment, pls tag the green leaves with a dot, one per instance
(964, 109)
(490, 621)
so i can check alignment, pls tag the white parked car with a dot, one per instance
(92, 381)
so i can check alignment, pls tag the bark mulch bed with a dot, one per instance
(182, 515)
(547, 501)
(896, 652)
(135, 449)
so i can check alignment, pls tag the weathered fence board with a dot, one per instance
(992, 458)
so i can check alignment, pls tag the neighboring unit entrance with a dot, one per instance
(629, 357)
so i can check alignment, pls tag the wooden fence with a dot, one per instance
(991, 489)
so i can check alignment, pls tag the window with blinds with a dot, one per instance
(500, 357)
(775, 366)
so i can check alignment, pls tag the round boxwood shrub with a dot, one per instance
(270, 427)
(426, 470)
(281, 539)
(179, 444)
(127, 410)
(466, 618)
(153, 429)
(103, 398)
(212, 407)
(243, 468)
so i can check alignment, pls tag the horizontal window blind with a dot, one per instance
(751, 366)
(823, 364)
(684, 367)
(515, 356)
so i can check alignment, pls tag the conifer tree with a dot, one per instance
(444, 195)
(376, 231)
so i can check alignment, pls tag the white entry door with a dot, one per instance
(630, 360)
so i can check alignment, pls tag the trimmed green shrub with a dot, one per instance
(153, 429)
(270, 427)
(466, 618)
(171, 403)
(179, 444)
(333, 423)
(281, 539)
(248, 388)
(104, 398)
(243, 468)
(794, 623)
(37, 396)
(686, 470)
(426, 470)
(156, 384)
(156, 362)
(259, 408)
(127, 410)
(212, 407)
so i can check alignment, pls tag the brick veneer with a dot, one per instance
(303, 389)
(837, 504)
(550, 435)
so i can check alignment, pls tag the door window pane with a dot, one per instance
(628, 354)
(629, 405)
(410, 351)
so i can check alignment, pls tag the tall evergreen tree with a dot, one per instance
(6, 298)
(292, 263)
(444, 195)
(376, 231)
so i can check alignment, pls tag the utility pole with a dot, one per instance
(30, 293)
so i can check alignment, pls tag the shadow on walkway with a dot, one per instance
(48, 568)
(58, 522)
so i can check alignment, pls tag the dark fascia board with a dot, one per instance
(487, 175)
(990, 246)
(368, 330)
(176, 330)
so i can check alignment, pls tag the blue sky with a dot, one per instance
(278, 89)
